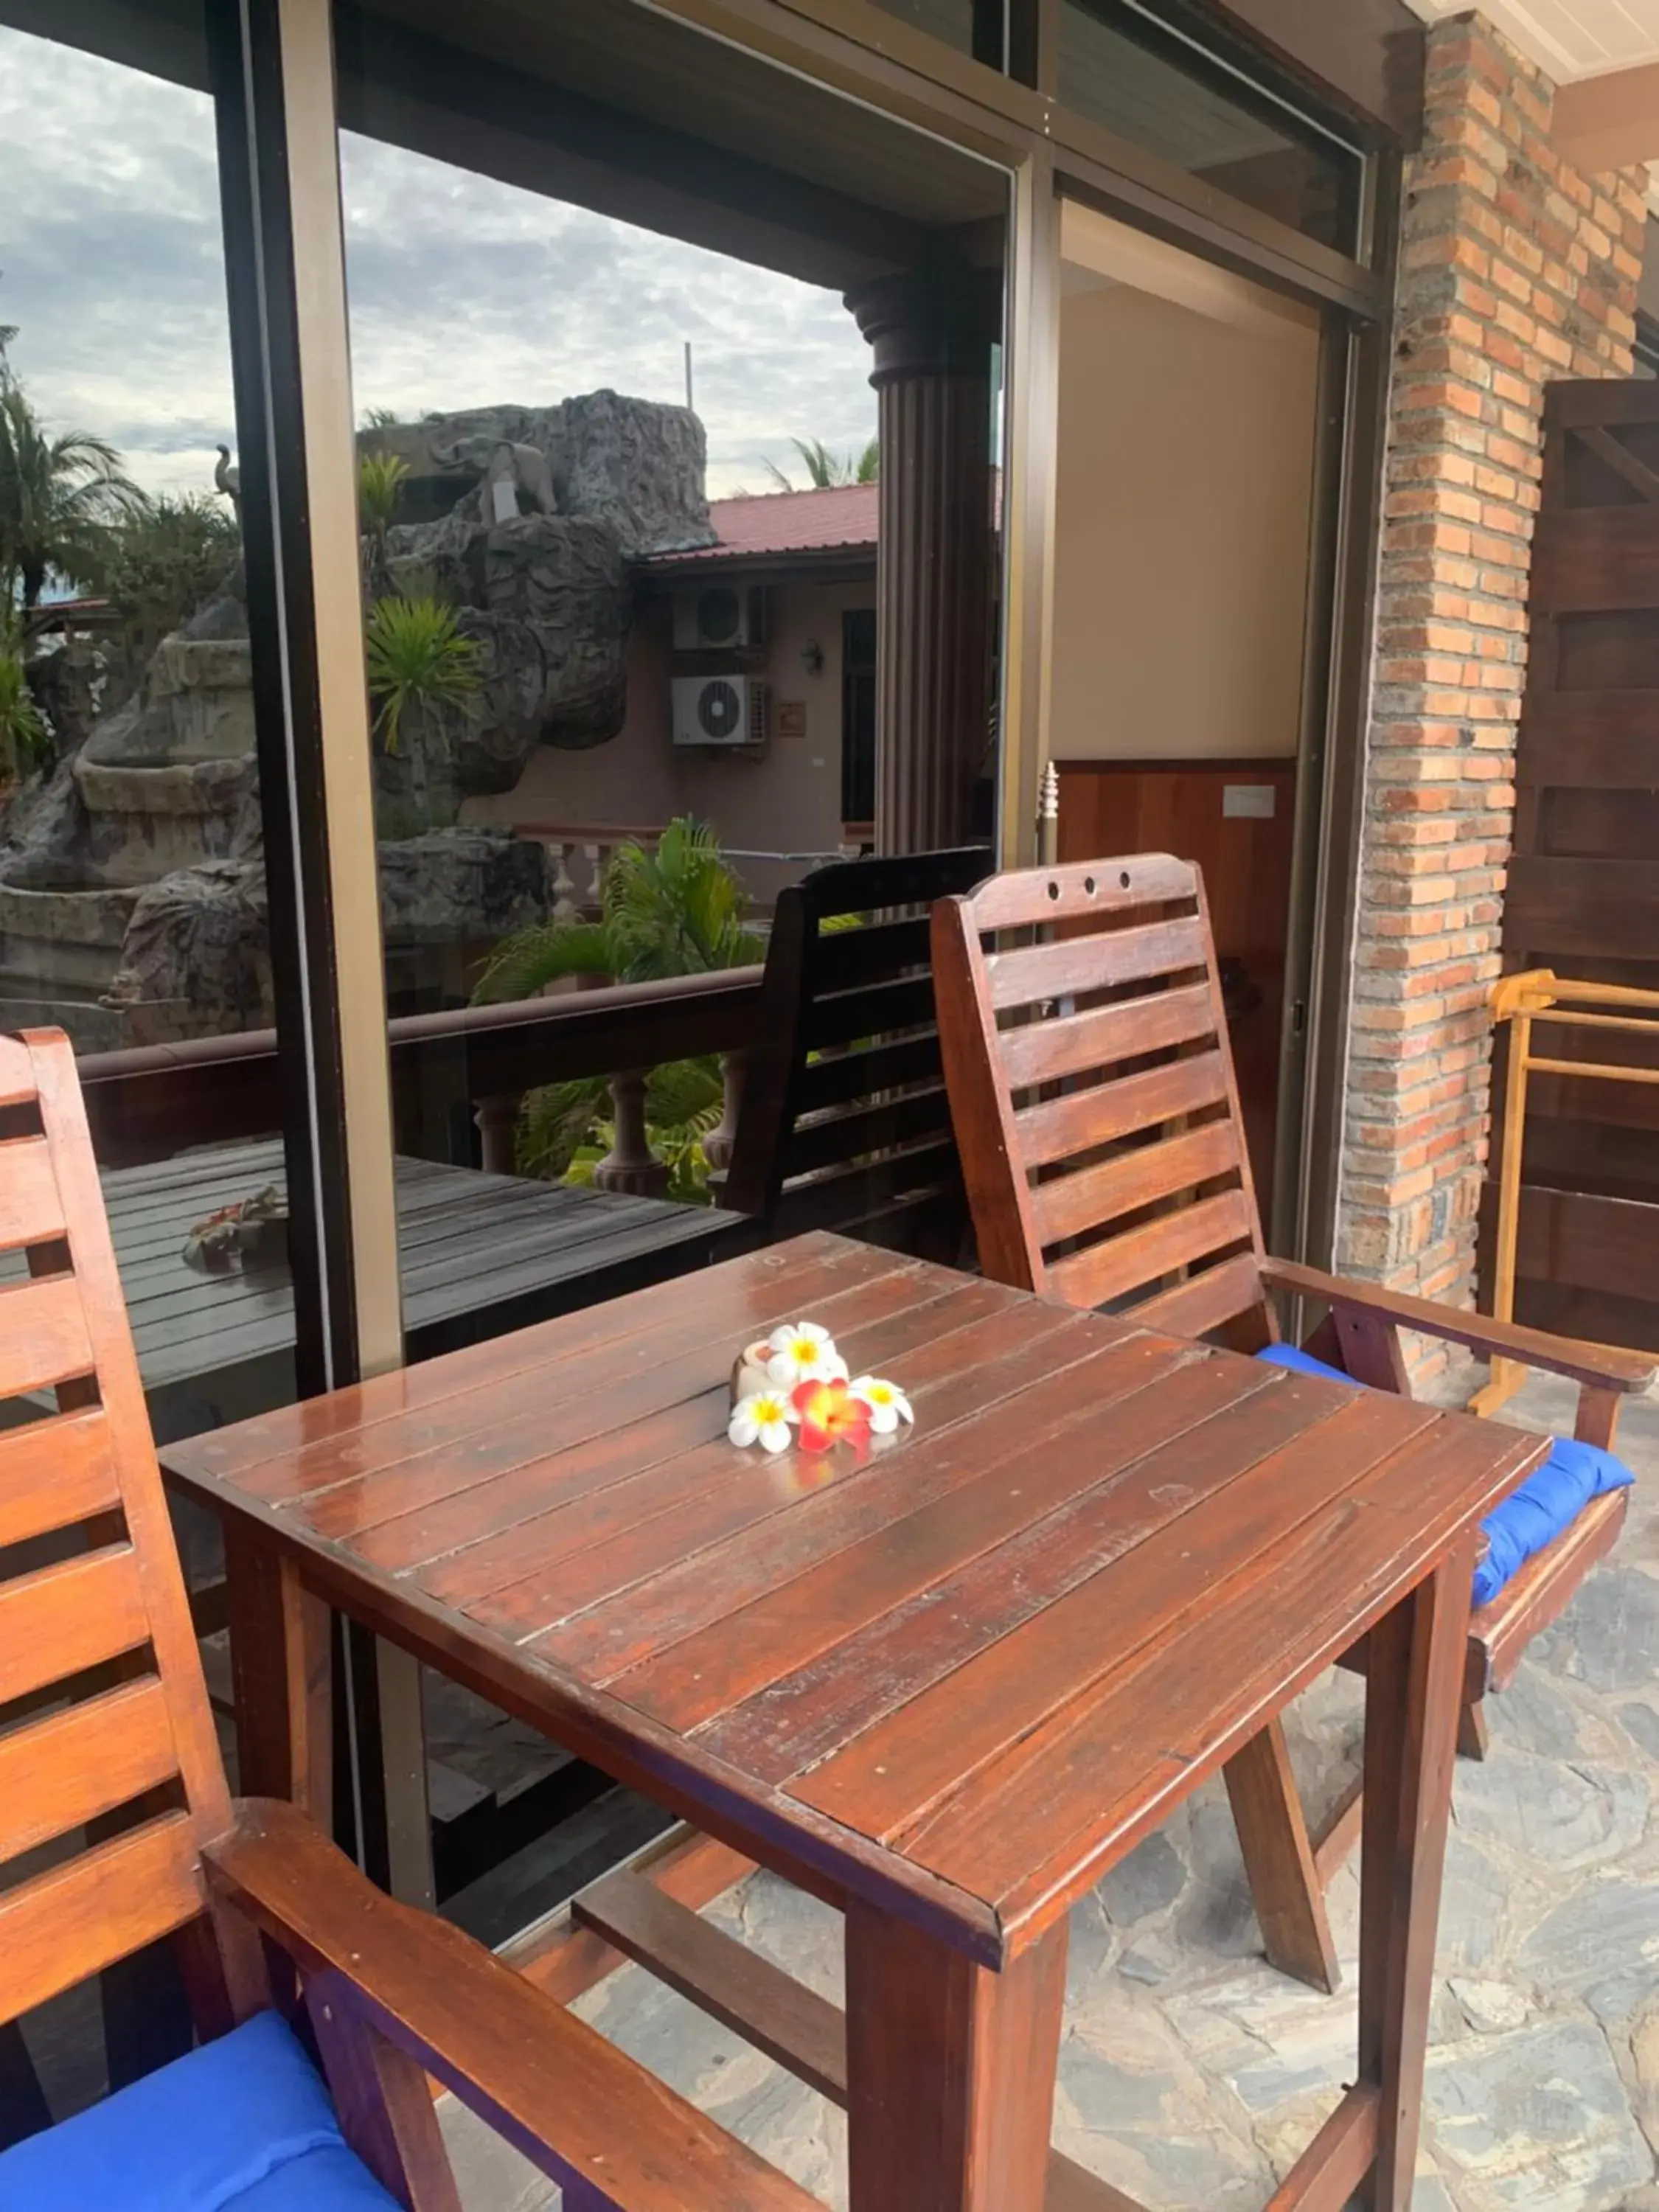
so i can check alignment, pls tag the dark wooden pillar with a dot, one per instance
(932, 329)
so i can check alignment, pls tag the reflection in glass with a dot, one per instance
(132, 908)
(1121, 68)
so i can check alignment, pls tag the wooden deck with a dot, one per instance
(480, 1254)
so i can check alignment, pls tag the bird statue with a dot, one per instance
(227, 478)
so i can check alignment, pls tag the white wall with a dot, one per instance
(1185, 465)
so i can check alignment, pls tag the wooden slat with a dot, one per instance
(687, 1578)
(559, 1444)
(1565, 908)
(1088, 1197)
(1336, 1840)
(838, 1077)
(62, 1619)
(1596, 560)
(1123, 1263)
(615, 1496)
(1058, 1128)
(1593, 1244)
(1082, 889)
(566, 1961)
(876, 952)
(765, 1647)
(1070, 1044)
(1201, 1682)
(17, 1085)
(31, 1211)
(101, 1906)
(851, 1133)
(1255, 1472)
(1500, 1632)
(1072, 964)
(723, 1978)
(850, 1196)
(1591, 741)
(870, 1011)
(54, 1473)
(43, 1335)
(1331, 2169)
(56, 1774)
(1206, 1300)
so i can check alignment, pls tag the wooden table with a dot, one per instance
(946, 1688)
(478, 1254)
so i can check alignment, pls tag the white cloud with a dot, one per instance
(464, 291)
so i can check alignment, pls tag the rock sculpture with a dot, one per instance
(132, 900)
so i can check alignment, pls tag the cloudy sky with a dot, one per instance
(464, 291)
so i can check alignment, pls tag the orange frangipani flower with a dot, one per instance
(830, 1414)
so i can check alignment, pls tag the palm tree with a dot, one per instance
(58, 497)
(678, 911)
(826, 469)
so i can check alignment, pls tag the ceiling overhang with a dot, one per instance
(1604, 63)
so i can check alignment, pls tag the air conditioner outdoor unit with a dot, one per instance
(720, 710)
(716, 615)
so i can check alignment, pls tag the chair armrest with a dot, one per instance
(601, 2126)
(1601, 1366)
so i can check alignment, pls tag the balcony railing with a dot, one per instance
(156, 1100)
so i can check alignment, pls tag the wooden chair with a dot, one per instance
(844, 1124)
(108, 1736)
(1085, 1048)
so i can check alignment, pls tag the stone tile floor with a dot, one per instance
(1192, 2074)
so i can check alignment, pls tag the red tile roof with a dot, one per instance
(777, 522)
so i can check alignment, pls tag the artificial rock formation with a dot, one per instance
(132, 903)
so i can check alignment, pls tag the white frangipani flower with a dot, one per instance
(765, 1417)
(888, 1404)
(804, 1351)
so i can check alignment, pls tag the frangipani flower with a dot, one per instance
(803, 1353)
(888, 1404)
(765, 1418)
(829, 1413)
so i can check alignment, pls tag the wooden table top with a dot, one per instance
(960, 1678)
(478, 1253)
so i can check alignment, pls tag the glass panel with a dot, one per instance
(131, 889)
(951, 21)
(619, 481)
(1120, 68)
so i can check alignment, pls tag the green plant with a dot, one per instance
(380, 477)
(418, 655)
(25, 741)
(678, 911)
(59, 498)
(825, 470)
(156, 565)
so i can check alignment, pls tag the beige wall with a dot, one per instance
(787, 799)
(1186, 453)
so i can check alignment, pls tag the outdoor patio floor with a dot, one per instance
(1192, 2074)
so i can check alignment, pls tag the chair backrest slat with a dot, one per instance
(103, 1715)
(57, 1773)
(55, 1473)
(110, 1901)
(845, 1122)
(1085, 1043)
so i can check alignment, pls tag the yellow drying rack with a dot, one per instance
(1519, 1000)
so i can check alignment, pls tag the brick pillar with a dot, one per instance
(1515, 270)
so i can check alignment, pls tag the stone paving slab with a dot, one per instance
(1192, 2074)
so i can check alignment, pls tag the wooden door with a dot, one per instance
(1584, 882)
(1235, 820)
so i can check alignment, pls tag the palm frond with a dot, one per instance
(547, 952)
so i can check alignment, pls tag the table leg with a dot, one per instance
(949, 2071)
(280, 1670)
(1414, 1688)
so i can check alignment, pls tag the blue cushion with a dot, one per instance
(245, 2121)
(1548, 1501)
